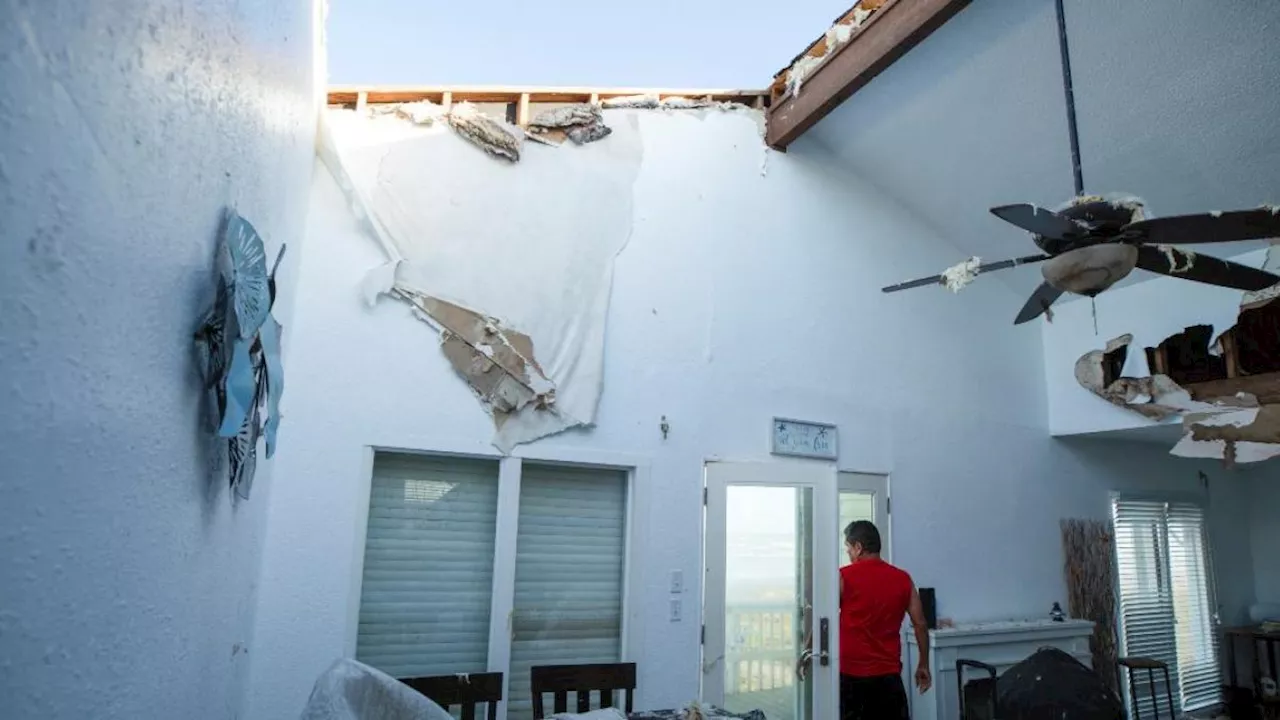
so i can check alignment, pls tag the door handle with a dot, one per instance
(824, 642)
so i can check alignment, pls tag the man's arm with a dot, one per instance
(915, 609)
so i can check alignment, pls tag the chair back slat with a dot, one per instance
(465, 691)
(582, 680)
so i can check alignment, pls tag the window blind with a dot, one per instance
(570, 549)
(1166, 605)
(1195, 607)
(428, 565)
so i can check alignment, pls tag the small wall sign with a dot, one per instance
(804, 439)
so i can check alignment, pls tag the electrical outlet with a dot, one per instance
(677, 609)
(677, 581)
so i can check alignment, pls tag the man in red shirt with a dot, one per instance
(874, 597)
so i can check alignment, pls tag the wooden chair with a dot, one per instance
(466, 691)
(582, 680)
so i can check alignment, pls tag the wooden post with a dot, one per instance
(1229, 358)
(594, 99)
(446, 100)
(522, 110)
(362, 100)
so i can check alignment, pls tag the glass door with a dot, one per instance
(770, 583)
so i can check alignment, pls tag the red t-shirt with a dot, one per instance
(874, 597)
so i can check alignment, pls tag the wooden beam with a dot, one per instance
(346, 95)
(895, 28)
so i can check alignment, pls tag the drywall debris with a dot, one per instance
(497, 362)
(1245, 435)
(634, 102)
(961, 274)
(567, 116)
(494, 137)
(582, 123)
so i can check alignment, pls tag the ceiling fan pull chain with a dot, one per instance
(1093, 302)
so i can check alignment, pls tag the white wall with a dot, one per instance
(1264, 523)
(738, 298)
(127, 578)
(1151, 311)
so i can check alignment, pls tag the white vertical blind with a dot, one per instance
(428, 565)
(1166, 601)
(570, 550)
(1194, 607)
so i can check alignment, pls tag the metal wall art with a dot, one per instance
(238, 343)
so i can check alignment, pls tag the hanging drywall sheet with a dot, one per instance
(528, 244)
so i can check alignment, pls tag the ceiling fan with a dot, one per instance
(1094, 243)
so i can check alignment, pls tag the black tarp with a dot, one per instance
(1052, 685)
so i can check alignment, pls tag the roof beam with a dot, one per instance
(895, 28)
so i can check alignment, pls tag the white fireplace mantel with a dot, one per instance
(1000, 644)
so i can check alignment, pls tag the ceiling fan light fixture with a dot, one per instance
(1090, 270)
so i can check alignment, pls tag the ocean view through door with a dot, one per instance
(768, 530)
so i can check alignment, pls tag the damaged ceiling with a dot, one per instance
(974, 117)
(1221, 378)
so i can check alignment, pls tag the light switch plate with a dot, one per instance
(677, 609)
(677, 581)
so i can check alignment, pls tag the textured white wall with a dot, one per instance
(738, 298)
(127, 579)
(1264, 518)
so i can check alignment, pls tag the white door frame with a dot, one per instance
(821, 479)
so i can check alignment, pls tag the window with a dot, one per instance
(428, 566)
(569, 562)
(449, 539)
(1166, 597)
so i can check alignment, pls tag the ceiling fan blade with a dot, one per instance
(982, 269)
(1038, 303)
(1038, 221)
(1210, 227)
(1179, 263)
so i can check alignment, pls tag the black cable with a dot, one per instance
(1076, 169)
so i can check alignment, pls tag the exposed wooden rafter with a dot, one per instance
(523, 96)
(894, 28)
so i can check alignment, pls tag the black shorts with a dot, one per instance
(873, 698)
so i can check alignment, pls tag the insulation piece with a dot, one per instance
(635, 102)
(497, 362)
(961, 274)
(582, 123)
(494, 137)
(677, 102)
(423, 112)
(1252, 300)
(836, 36)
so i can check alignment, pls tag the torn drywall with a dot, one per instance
(511, 264)
(1220, 380)
(498, 362)
(1272, 263)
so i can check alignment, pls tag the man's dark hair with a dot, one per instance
(863, 532)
